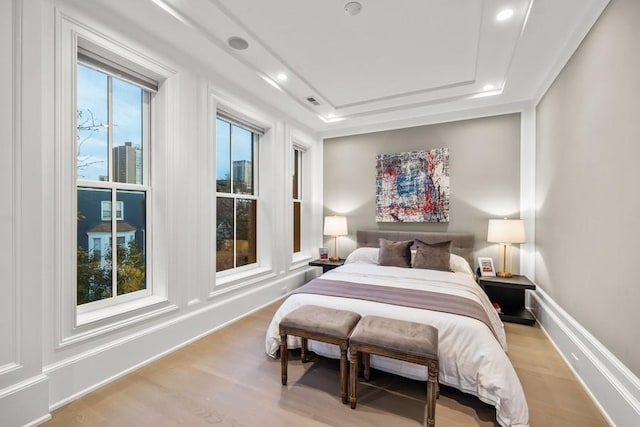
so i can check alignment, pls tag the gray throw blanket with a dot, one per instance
(416, 298)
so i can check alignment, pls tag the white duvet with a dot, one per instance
(472, 359)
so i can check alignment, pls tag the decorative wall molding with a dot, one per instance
(528, 190)
(76, 376)
(612, 386)
(24, 403)
(13, 155)
(70, 328)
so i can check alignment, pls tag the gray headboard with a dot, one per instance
(462, 243)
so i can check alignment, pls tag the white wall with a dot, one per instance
(587, 182)
(484, 160)
(39, 369)
(23, 388)
(587, 203)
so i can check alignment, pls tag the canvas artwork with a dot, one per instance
(413, 186)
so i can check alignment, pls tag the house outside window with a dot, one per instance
(236, 194)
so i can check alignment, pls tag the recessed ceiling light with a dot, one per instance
(328, 119)
(488, 87)
(352, 8)
(271, 82)
(282, 77)
(238, 43)
(504, 14)
(171, 11)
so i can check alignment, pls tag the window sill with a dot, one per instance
(233, 283)
(239, 277)
(299, 261)
(100, 321)
(118, 310)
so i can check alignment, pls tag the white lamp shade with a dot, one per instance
(506, 231)
(335, 225)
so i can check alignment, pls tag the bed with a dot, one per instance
(472, 346)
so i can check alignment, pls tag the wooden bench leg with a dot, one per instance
(303, 349)
(432, 390)
(353, 377)
(344, 372)
(366, 361)
(283, 357)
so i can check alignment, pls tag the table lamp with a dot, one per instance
(335, 226)
(506, 232)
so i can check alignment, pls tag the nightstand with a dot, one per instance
(509, 294)
(326, 264)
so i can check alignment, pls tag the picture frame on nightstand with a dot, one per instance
(486, 266)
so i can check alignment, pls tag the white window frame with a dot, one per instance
(300, 259)
(300, 199)
(84, 311)
(258, 132)
(72, 323)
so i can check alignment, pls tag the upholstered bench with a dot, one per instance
(398, 339)
(321, 324)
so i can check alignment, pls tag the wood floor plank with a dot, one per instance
(226, 379)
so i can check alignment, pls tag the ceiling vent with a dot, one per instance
(312, 100)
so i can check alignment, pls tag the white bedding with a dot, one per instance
(471, 358)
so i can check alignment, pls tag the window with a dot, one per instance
(297, 199)
(106, 210)
(112, 169)
(236, 194)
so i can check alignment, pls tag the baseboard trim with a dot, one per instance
(612, 386)
(24, 403)
(205, 321)
(39, 421)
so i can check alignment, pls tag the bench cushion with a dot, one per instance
(398, 335)
(321, 320)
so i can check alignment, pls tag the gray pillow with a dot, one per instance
(395, 254)
(432, 256)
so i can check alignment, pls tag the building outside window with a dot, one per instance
(112, 169)
(236, 194)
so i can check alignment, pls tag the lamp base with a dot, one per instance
(505, 274)
(334, 258)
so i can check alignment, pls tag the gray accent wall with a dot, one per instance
(484, 176)
(588, 184)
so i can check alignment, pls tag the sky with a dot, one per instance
(241, 142)
(126, 124)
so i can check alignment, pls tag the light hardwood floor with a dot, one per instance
(226, 379)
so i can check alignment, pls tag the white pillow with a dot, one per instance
(460, 265)
(363, 256)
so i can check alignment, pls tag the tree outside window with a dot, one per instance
(112, 133)
(236, 198)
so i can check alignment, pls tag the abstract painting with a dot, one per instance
(413, 186)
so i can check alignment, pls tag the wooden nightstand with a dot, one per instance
(509, 293)
(326, 264)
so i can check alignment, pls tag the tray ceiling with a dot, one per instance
(392, 61)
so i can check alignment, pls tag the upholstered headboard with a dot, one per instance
(462, 243)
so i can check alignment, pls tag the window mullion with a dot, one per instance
(114, 192)
(146, 139)
(235, 202)
(231, 180)
(235, 226)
